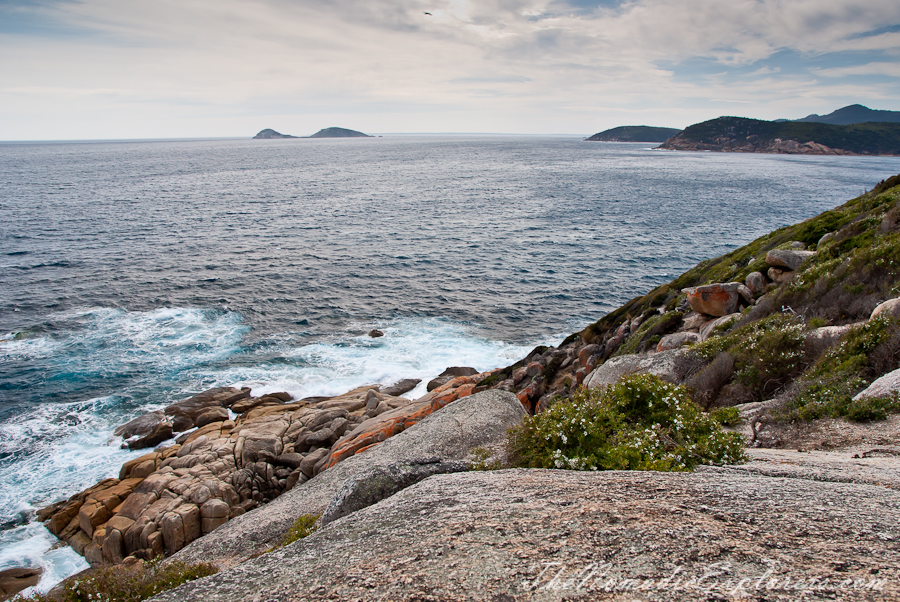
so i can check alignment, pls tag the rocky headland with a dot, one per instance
(634, 133)
(796, 335)
(740, 134)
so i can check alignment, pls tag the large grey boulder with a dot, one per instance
(756, 282)
(146, 430)
(448, 375)
(708, 328)
(660, 364)
(378, 483)
(887, 385)
(676, 340)
(787, 259)
(552, 535)
(890, 309)
(480, 420)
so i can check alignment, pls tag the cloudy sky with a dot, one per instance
(88, 69)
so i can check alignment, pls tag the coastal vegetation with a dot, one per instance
(741, 134)
(634, 133)
(304, 526)
(797, 325)
(640, 423)
(119, 583)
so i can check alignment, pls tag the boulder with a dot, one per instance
(376, 484)
(780, 276)
(211, 415)
(693, 321)
(661, 364)
(479, 420)
(307, 466)
(708, 328)
(828, 335)
(890, 308)
(185, 412)
(140, 426)
(756, 282)
(887, 385)
(787, 259)
(12, 581)
(716, 299)
(448, 375)
(676, 340)
(144, 431)
(400, 387)
(375, 333)
(826, 238)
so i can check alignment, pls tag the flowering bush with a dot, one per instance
(767, 353)
(641, 423)
(827, 389)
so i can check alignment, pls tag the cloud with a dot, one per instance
(887, 69)
(494, 64)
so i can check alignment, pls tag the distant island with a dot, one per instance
(853, 114)
(635, 133)
(269, 134)
(743, 135)
(339, 133)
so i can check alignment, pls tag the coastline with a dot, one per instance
(282, 443)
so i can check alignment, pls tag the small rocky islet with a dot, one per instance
(402, 517)
(330, 132)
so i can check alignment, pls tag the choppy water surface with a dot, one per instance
(134, 273)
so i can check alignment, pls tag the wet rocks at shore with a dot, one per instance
(12, 581)
(219, 468)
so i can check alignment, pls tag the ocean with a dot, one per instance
(135, 273)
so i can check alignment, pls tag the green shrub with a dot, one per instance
(726, 416)
(118, 583)
(767, 353)
(828, 387)
(872, 408)
(481, 460)
(304, 526)
(641, 423)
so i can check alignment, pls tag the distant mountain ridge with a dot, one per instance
(853, 114)
(743, 135)
(634, 133)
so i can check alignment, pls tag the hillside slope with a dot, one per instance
(853, 114)
(634, 133)
(740, 134)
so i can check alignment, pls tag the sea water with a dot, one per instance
(133, 274)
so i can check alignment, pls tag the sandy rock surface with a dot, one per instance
(717, 534)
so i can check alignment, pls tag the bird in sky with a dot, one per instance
(429, 14)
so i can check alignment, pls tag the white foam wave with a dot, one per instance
(410, 348)
(172, 337)
(53, 451)
(31, 546)
(16, 346)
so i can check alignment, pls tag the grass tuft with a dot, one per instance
(119, 583)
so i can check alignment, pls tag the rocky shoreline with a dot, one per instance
(241, 469)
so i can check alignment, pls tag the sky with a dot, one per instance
(124, 69)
